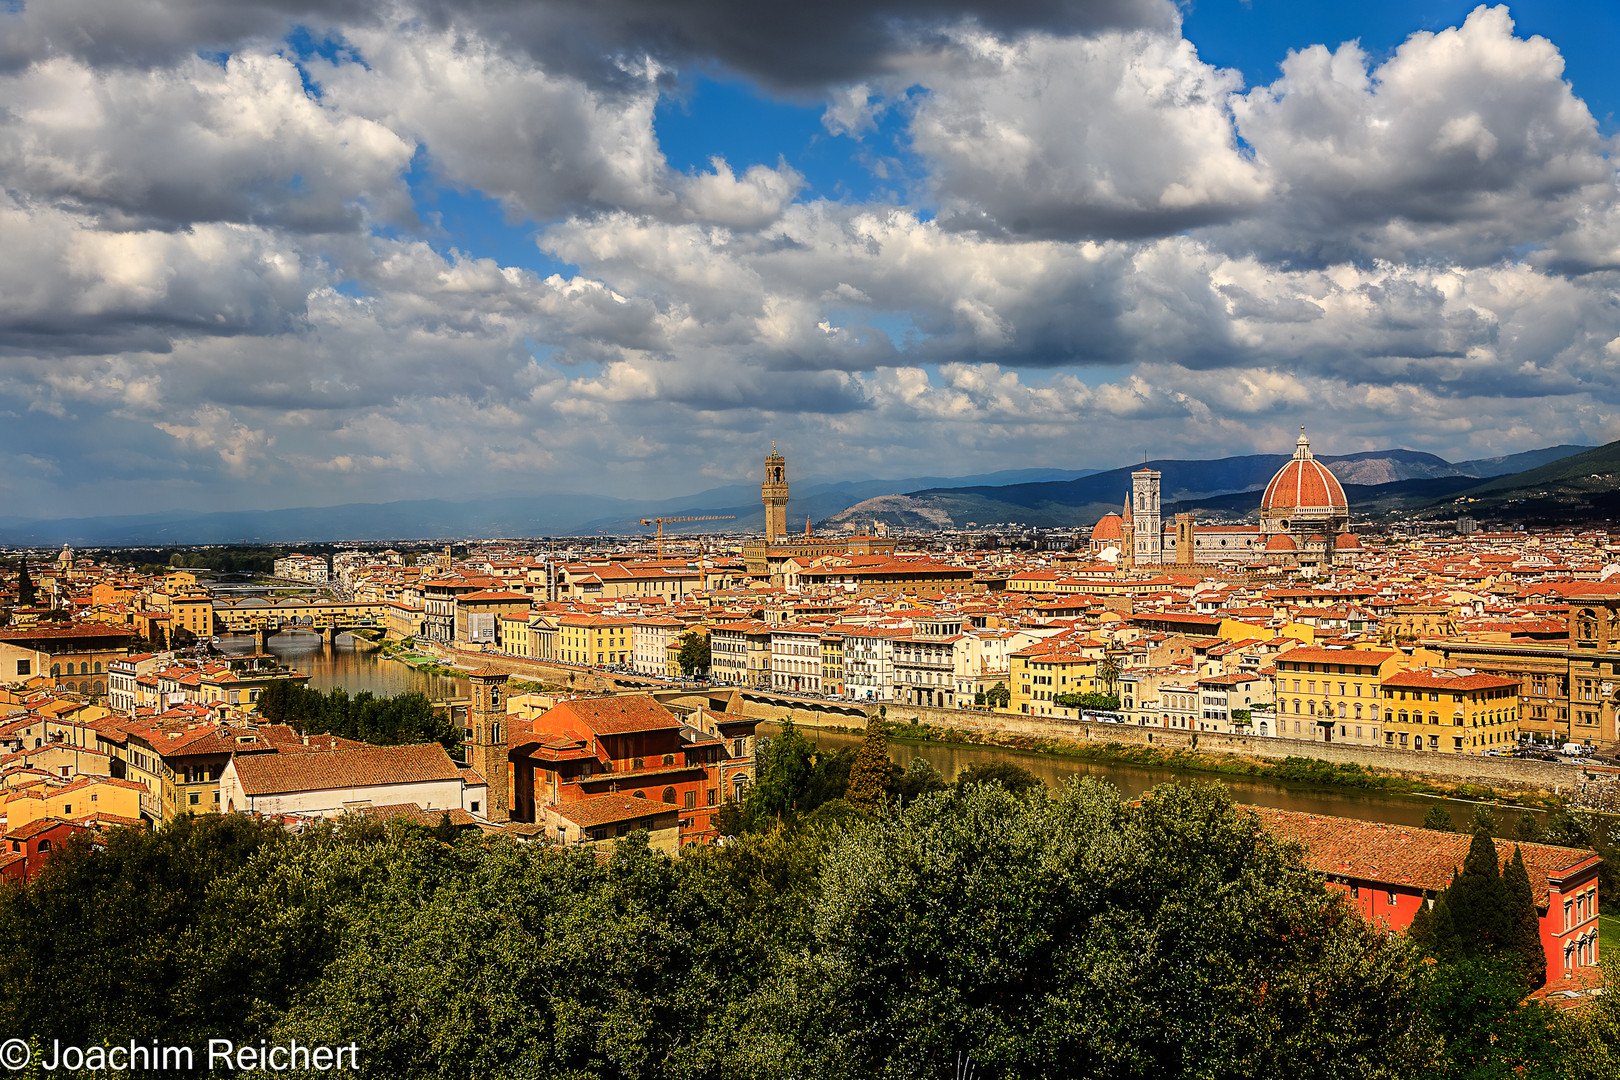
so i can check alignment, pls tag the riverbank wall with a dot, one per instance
(1502, 773)
(568, 676)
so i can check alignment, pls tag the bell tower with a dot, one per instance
(1145, 511)
(775, 493)
(486, 743)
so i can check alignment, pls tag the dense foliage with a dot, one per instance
(406, 718)
(1089, 700)
(1069, 935)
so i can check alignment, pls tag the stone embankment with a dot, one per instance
(1601, 794)
(1501, 773)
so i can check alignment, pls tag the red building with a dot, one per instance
(28, 846)
(1386, 869)
(631, 746)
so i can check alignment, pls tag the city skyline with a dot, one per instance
(271, 255)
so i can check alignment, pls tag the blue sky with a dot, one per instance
(261, 260)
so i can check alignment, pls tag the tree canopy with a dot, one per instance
(1074, 935)
(695, 655)
(405, 718)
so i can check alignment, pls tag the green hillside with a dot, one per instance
(1582, 482)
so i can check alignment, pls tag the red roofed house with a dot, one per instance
(25, 848)
(1387, 870)
(631, 747)
(330, 783)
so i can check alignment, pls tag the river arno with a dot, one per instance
(351, 668)
(949, 759)
(362, 669)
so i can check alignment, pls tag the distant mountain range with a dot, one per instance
(1555, 483)
(1383, 479)
(434, 519)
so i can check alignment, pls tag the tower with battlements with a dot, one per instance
(775, 493)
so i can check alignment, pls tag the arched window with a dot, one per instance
(98, 667)
(56, 670)
(669, 795)
(669, 759)
(1358, 712)
(641, 795)
(84, 668)
(44, 845)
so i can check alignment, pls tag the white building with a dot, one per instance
(327, 783)
(650, 641)
(796, 658)
(869, 662)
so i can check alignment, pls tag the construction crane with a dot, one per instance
(661, 522)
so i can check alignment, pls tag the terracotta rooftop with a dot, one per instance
(610, 716)
(1401, 855)
(272, 774)
(607, 809)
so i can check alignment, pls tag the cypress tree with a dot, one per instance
(1479, 903)
(871, 769)
(1525, 922)
(25, 586)
(1419, 929)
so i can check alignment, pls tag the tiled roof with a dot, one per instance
(611, 716)
(1434, 681)
(271, 774)
(607, 809)
(1399, 855)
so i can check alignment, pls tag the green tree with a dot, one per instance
(1014, 778)
(870, 773)
(1524, 935)
(1108, 669)
(1082, 936)
(695, 655)
(1439, 819)
(998, 696)
(919, 779)
(1089, 700)
(1484, 818)
(446, 831)
(1528, 828)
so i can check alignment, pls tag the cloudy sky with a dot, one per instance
(264, 253)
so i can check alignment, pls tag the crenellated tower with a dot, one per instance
(775, 493)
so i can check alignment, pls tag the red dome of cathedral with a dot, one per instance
(1348, 542)
(1109, 528)
(1304, 484)
(1281, 542)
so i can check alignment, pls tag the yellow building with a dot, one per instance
(80, 797)
(1048, 670)
(1450, 713)
(189, 610)
(594, 639)
(1333, 695)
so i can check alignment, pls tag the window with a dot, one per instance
(713, 796)
(195, 798)
(474, 806)
(44, 845)
(691, 800)
(25, 667)
(1389, 899)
